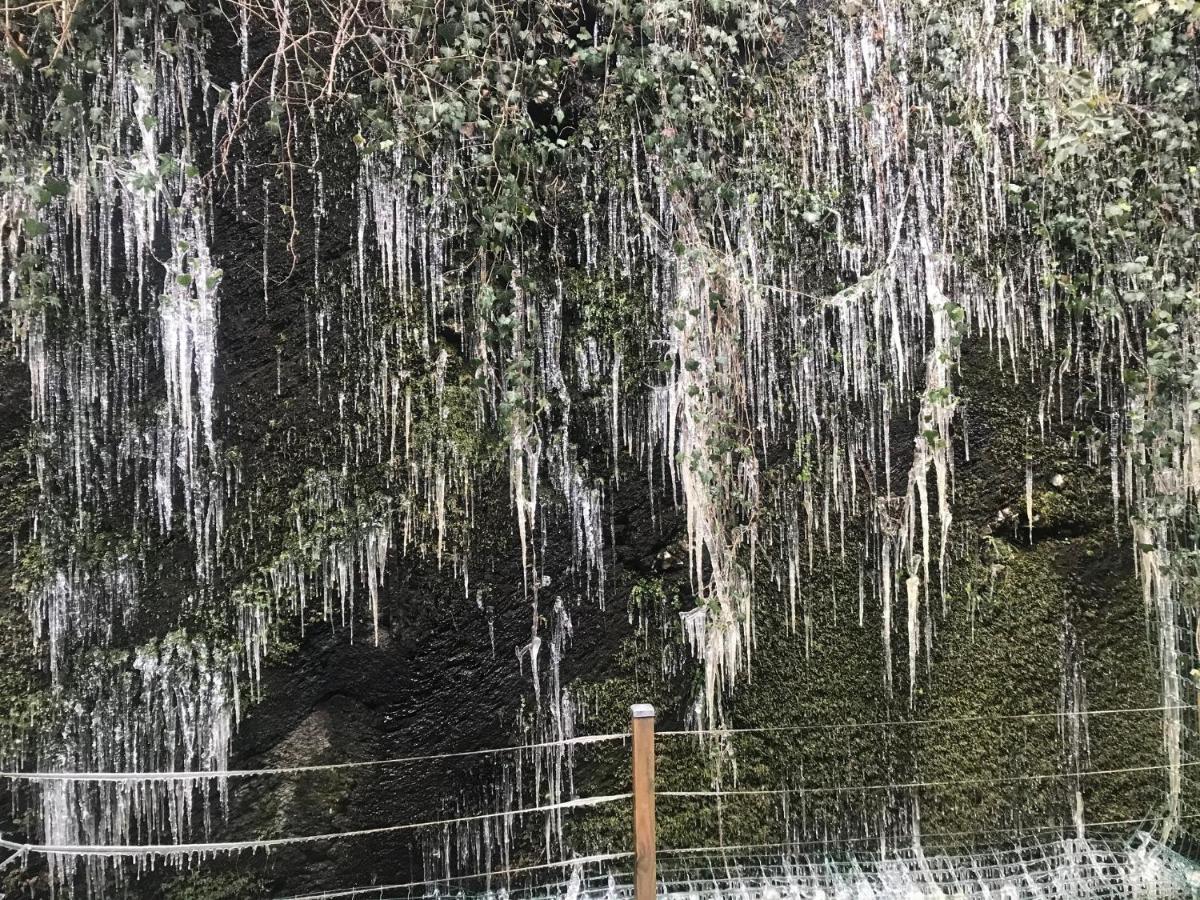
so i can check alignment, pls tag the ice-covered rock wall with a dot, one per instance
(752, 290)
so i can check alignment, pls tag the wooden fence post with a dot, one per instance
(645, 877)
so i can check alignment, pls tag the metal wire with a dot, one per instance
(197, 775)
(495, 873)
(1033, 869)
(22, 850)
(292, 770)
(893, 723)
(897, 853)
(1013, 833)
(269, 843)
(1010, 779)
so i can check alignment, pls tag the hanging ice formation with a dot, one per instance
(118, 327)
(798, 320)
(126, 289)
(169, 707)
(537, 777)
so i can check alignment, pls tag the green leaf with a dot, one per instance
(55, 187)
(71, 94)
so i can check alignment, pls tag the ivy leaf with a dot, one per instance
(18, 57)
(69, 93)
(55, 187)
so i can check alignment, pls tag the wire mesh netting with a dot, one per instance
(1141, 868)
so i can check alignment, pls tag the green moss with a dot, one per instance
(24, 693)
(617, 315)
(24, 698)
(1012, 609)
(290, 808)
(220, 886)
(1002, 653)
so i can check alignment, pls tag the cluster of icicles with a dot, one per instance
(134, 301)
(539, 774)
(127, 441)
(758, 345)
(790, 363)
(123, 409)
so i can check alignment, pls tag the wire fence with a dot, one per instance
(1073, 867)
(567, 743)
(815, 857)
(215, 847)
(811, 864)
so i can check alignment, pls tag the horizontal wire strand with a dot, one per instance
(818, 869)
(268, 843)
(920, 784)
(1015, 834)
(831, 726)
(200, 774)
